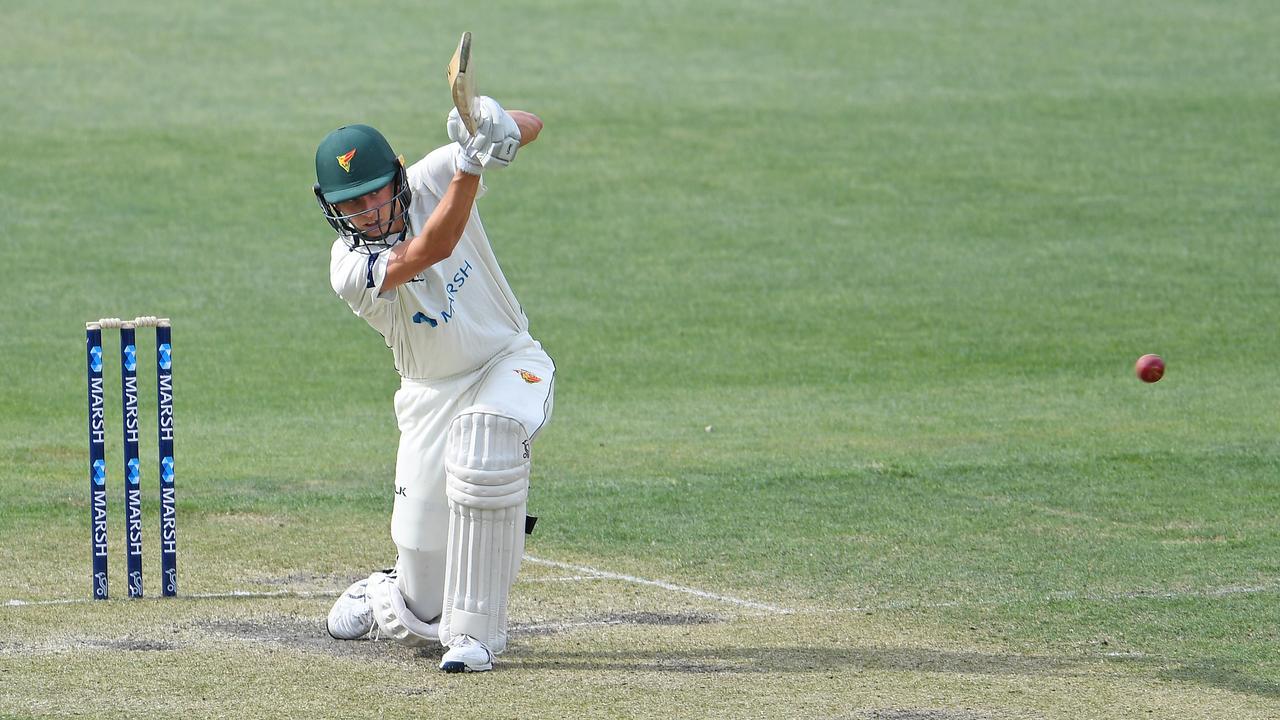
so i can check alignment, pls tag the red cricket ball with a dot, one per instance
(1150, 368)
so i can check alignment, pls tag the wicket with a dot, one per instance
(132, 464)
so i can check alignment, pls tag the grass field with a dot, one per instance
(844, 297)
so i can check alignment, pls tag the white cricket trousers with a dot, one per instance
(518, 383)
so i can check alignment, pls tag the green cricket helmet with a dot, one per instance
(355, 160)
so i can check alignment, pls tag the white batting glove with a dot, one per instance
(468, 156)
(457, 130)
(497, 135)
(500, 154)
(496, 141)
(500, 131)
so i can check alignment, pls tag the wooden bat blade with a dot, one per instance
(462, 81)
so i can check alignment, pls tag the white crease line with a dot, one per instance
(21, 603)
(593, 574)
(253, 594)
(658, 583)
(194, 596)
(566, 578)
(303, 594)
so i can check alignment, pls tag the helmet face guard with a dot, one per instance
(354, 161)
(381, 236)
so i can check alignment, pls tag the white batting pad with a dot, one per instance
(394, 619)
(487, 471)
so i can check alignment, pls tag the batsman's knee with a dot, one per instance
(487, 459)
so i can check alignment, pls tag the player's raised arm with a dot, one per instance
(530, 125)
(440, 235)
(498, 135)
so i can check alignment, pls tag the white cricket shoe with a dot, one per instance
(466, 654)
(351, 617)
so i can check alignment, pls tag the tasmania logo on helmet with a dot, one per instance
(345, 160)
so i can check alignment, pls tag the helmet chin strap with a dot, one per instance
(398, 238)
(387, 240)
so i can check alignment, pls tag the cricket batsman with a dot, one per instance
(413, 260)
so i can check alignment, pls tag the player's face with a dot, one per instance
(371, 212)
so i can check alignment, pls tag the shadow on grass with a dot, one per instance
(819, 659)
(796, 659)
(309, 635)
(1225, 675)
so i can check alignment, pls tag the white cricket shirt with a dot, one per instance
(454, 316)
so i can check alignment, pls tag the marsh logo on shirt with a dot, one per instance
(451, 290)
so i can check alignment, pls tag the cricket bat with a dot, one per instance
(462, 81)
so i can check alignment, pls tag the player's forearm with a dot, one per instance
(530, 125)
(440, 236)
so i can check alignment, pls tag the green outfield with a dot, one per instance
(844, 298)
